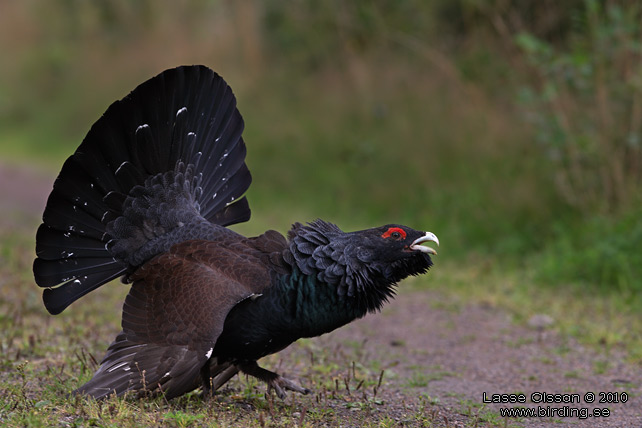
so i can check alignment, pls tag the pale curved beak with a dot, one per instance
(428, 237)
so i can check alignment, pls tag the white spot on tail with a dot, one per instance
(122, 164)
(208, 354)
(181, 110)
(117, 366)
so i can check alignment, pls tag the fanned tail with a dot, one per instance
(168, 155)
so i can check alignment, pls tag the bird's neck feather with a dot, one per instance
(295, 306)
(316, 306)
(337, 262)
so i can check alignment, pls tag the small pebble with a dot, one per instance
(540, 321)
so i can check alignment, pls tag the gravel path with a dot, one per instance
(463, 353)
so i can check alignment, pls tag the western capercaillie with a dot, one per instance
(147, 197)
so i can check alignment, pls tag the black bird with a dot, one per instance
(147, 197)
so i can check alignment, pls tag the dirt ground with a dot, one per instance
(448, 354)
(476, 349)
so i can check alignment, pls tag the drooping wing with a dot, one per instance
(173, 315)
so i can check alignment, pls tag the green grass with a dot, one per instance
(601, 250)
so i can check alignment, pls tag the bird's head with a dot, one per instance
(393, 243)
(366, 264)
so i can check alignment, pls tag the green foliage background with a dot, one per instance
(509, 128)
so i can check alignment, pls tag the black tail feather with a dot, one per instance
(76, 267)
(178, 132)
(54, 246)
(57, 299)
(71, 220)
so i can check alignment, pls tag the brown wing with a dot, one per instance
(173, 315)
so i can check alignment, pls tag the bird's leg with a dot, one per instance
(274, 381)
(206, 380)
(213, 381)
(222, 377)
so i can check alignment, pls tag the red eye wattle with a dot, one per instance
(394, 233)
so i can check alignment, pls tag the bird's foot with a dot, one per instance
(281, 384)
(274, 381)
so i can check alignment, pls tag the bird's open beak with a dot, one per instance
(428, 237)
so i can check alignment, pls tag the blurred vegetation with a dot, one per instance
(511, 128)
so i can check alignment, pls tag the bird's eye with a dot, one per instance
(395, 233)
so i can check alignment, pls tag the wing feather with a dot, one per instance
(172, 317)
